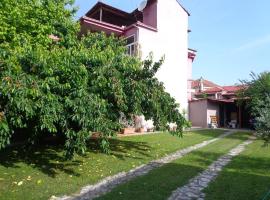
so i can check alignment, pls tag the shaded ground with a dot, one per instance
(40, 172)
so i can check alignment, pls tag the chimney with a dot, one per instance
(201, 85)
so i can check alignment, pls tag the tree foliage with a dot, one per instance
(73, 86)
(263, 119)
(258, 91)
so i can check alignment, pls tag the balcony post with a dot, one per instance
(100, 14)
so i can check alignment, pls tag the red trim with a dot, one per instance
(114, 28)
(191, 56)
(142, 25)
(101, 24)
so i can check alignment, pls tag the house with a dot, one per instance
(160, 28)
(195, 86)
(210, 101)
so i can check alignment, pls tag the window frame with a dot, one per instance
(131, 52)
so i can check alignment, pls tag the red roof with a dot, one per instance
(206, 83)
(228, 90)
(213, 90)
(232, 88)
(118, 16)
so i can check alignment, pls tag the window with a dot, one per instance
(131, 45)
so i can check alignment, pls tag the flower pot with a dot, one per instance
(140, 130)
(128, 131)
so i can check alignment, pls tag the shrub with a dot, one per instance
(258, 91)
(263, 120)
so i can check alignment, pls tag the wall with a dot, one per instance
(171, 40)
(190, 91)
(150, 14)
(198, 113)
(189, 69)
(132, 31)
(189, 77)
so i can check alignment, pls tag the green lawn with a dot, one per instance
(42, 172)
(160, 183)
(247, 177)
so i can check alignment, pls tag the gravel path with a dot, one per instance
(106, 185)
(193, 190)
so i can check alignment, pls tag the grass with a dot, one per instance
(41, 172)
(160, 183)
(247, 177)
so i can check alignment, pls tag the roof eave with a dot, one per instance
(101, 24)
(183, 8)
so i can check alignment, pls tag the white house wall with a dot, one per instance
(171, 40)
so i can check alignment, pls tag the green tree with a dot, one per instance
(258, 91)
(263, 119)
(71, 86)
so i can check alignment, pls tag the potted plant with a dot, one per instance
(128, 124)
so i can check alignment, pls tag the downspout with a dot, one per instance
(137, 38)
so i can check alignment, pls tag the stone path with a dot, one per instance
(106, 185)
(193, 190)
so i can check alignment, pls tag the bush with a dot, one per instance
(258, 91)
(263, 120)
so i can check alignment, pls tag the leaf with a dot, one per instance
(39, 181)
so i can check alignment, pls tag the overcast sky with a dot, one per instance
(232, 36)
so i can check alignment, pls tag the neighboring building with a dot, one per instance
(161, 28)
(196, 86)
(210, 100)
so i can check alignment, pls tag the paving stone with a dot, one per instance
(198, 183)
(106, 185)
(192, 195)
